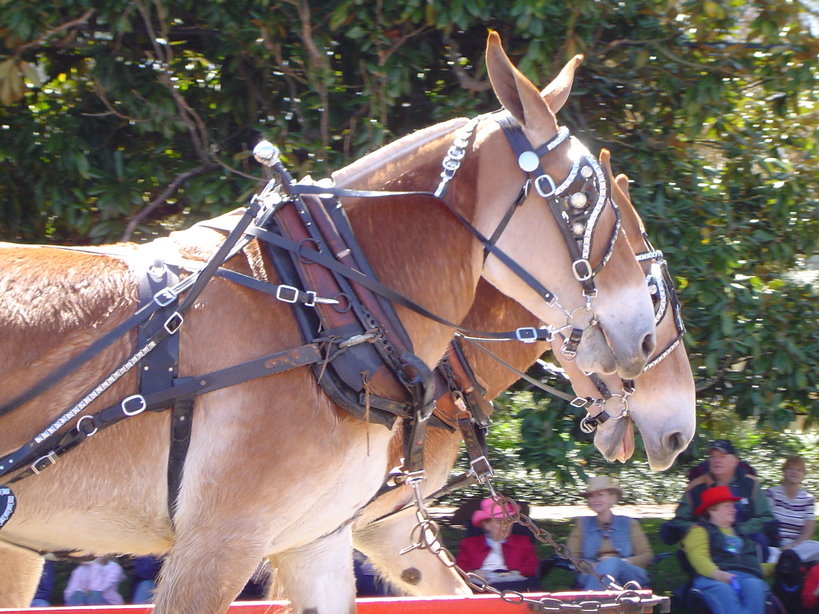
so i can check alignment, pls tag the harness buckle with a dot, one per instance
(173, 323)
(481, 468)
(51, 457)
(414, 477)
(288, 294)
(165, 297)
(582, 270)
(138, 402)
(526, 334)
(530, 334)
(582, 402)
(569, 347)
(539, 188)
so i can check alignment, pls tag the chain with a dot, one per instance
(426, 536)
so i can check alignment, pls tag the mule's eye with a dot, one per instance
(657, 290)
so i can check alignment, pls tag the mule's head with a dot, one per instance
(663, 402)
(564, 231)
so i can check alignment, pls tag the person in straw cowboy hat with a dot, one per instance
(505, 560)
(725, 561)
(615, 545)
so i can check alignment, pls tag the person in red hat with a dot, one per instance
(503, 559)
(725, 561)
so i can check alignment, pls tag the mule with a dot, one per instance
(273, 467)
(662, 405)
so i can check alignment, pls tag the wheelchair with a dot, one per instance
(689, 599)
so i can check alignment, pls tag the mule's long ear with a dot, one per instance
(632, 224)
(514, 90)
(621, 181)
(557, 92)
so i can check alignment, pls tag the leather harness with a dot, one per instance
(353, 339)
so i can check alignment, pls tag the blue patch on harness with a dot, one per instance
(7, 504)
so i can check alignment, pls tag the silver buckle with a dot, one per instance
(51, 457)
(526, 334)
(481, 469)
(173, 323)
(165, 297)
(540, 190)
(586, 273)
(530, 334)
(293, 295)
(142, 404)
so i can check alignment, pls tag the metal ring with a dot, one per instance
(87, 433)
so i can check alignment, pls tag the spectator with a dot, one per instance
(42, 598)
(258, 586)
(95, 583)
(143, 580)
(614, 545)
(794, 511)
(506, 561)
(810, 590)
(754, 517)
(367, 581)
(726, 566)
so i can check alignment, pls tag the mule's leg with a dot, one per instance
(207, 567)
(19, 576)
(318, 578)
(418, 572)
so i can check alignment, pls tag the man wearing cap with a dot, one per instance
(754, 516)
(727, 570)
(505, 560)
(615, 545)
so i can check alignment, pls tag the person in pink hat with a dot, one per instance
(725, 562)
(503, 559)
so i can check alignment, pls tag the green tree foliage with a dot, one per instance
(126, 118)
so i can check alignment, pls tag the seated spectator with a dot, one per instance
(810, 591)
(794, 511)
(754, 516)
(95, 583)
(504, 560)
(258, 586)
(143, 580)
(615, 545)
(726, 566)
(367, 581)
(42, 597)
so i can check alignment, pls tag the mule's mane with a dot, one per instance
(405, 146)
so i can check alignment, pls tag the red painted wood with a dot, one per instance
(476, 604)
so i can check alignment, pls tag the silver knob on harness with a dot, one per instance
(266, 153)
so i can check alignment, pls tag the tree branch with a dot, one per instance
(68, 24)
(163, 196)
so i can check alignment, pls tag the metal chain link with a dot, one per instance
(426, 536)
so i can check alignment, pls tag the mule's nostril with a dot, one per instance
(648, 345)
(675, 441)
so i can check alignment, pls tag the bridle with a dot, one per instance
(576, 204)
